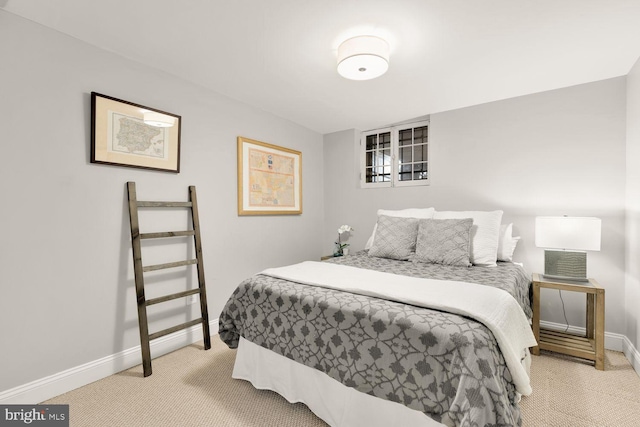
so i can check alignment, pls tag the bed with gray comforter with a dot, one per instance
(445, 365)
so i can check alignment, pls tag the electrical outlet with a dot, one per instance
(192, 299)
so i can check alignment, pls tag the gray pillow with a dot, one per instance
(395, 237)
(444, 241)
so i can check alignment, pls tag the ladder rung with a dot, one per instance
(164, 204)
(173, 296)
(167, 234)
(169, 265)
(174, 329)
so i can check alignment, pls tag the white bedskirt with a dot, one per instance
(333, 402)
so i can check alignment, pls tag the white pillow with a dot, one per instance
(403, 213)
(506, 243)
(485, 234)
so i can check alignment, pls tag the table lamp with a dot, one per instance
(565, 240)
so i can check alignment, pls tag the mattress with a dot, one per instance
(445, 365)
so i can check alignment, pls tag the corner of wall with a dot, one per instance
(632, 218)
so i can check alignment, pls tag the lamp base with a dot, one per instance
(565, 265)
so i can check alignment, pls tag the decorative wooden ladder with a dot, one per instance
(139, 271)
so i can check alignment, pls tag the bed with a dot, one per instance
(376, 354)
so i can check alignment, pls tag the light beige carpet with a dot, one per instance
(193, 387)
(571, 392)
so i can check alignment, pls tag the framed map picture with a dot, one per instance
(128, 134)
(269, 179)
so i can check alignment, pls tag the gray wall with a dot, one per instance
(65, 258)
(632, 285)
(552, 153)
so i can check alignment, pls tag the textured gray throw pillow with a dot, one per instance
(444, 241)
(395, 237)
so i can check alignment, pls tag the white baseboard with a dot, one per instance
(54, 385)
(632, 354)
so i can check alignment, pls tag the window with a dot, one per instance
(377, 156)
(396, 156)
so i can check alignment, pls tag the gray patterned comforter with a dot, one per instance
(445, 365)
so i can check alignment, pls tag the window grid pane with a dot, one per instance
(421, 135)
(369, 175)
(405, 176)
(385, 140)
(372, 142)
(405, 137)
(420, 171)
(386, 157)
(369, 158)
(419, 152)
(405, 155)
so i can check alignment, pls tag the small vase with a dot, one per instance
(345, 251)
(338, 250)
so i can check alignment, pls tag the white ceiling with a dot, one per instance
(280, 55)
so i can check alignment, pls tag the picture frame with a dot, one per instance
(269, 179)
(127, 134)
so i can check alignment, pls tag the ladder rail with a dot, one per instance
(139, 270)
(139, 279)
(195, 220)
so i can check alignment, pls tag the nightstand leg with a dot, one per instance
(590, 316)
(535, 322)
(599, 332)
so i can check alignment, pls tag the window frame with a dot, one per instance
(395, 155)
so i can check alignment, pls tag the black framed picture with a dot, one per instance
(128, 134)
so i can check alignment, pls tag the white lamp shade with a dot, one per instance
(566, 232)
(363, 58)
(153, 118)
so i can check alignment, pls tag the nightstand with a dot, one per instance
(326, 257)
(590, 346)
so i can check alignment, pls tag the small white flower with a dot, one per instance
(344, 228)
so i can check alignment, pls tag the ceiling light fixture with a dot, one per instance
(363, 58)
(160, 120)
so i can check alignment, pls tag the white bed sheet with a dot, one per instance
(333, 402)
(495, 308)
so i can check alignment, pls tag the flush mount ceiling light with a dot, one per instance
(363, 58)
(160, 120)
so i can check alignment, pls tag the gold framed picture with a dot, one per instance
(269, 179)
(128, 134)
